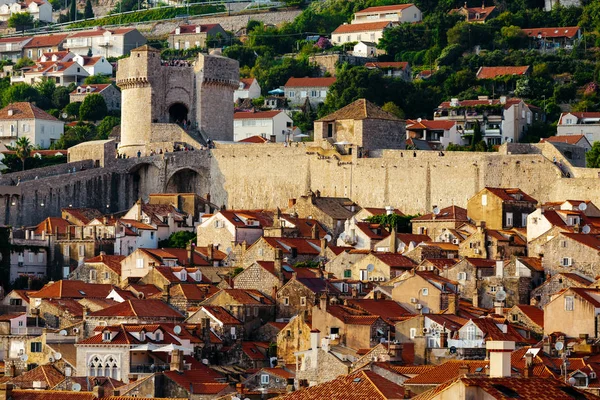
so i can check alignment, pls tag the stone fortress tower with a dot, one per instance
(157, 98)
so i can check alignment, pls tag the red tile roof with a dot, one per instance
(569, 139)
(446, 371)
(361, 385)
(256, 114)
(481, 262)
(37, 394)
(149, 308)
(533, 313)
(72, 289)
(48, 374)
(302, 246)
(254, 139)
(309, 82)
(95, 88)
(352, 316)
(592, 241)
(388, 64)
(495, 72)
(429, 124)
(46, 41)
(367, 26)
(247, 82)
(112, 262)
(580, 115)
(24, 110)
(394, 7)
(563, 32)
(395, 260)
(507, 194)
(472, 12)
(221, 314)
(447, 213)
(255, 350)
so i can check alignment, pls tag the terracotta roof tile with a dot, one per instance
(256, 114)
(507, 194)
(149, 308)
(446, 371)
(254, 139)
(309, 82)
(447, 213)
(37, 394)
(367, 26)
(359, 110)
(186, 29)
(112, 262)
(221, 314)
(72, 289)
(377, 9)
(533, 313)
(47, 374)
(46, 41)
(495, 72)
(566, 32)
(570, 139)
(24, 110)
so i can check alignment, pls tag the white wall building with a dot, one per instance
(248, 89)
(40, 9)
(108, 43)
(580, 123)
(370, 31)
(25, 119)
(94, 65)
(400, 13)
(365, 49)
(275, 126)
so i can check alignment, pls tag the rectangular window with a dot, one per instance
(563, 243)
(264, 379)
(292, 94)
(66, 250)
(484, 199)
(286, 301)
(81, 250)
(509, 219)
(302, 301)
(151, 235)
(303, 93)
(363, 274)
(30, 256)
(413, 333)
(323, 93)
(140, 263)
(569, 306)
(347, 273)
(40, 257)
(256, 311)
(523, 220)
(36, 347)
(425, 291)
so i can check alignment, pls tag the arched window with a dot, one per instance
(111, 368)
(95, 366)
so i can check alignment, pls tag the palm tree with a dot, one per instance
(23, 149)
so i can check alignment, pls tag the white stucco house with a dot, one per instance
(580, 123)
(25, 119)
(95, 65)
(248, 89)
(369, 31)
(399, 13)
(275, 126)
(40, 9)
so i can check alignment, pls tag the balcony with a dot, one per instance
(29, 331)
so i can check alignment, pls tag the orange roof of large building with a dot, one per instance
(148, 308)
(365, 27)
(544, 33)
(24, 110)
(495, 72)
(569, 139)
(256, 114)
(377, 9)
(310, 82)
(359, 110)
(72, 289)
(361, 385)
(46, 41)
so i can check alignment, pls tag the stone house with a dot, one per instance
(229, 227)
(25, 119)
(572, 252)
(476, 14)
(427, 250)
(200, 383)
(425, 292)
(166, 276)
(189, 36)
(100, 269)
(292, 338)
(574, 312)
(187, 297)
(166, 218)
(468, 272)
(393, 69)
(300, 90)
(531, 317)
(437, 265)
(270, 381)
(227, 327)
(77, 245)
(251, 307)
(300, 294)
(361, 235)
(493, 244)
(344, 261)
(501, 208)
(348, 326)
(378, 267)
(116, 42)
(361, 124)
(319, 364)
(541, 295)
(401, 242)
(110, 94)
(80, 216)
(147, 311)
(287, 225)
(293, 250)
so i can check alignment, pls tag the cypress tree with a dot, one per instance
(89, 12)
(73, 10)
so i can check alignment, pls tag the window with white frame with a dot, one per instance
(413, 333)
(92, 274)
(40, 257)
(471, 332)
(286, 301)
(523, 220)
(30, 257)
(509, 219)
(425, 291)
(264, 379)
(484, 199)
(302, 301)
(139, 263)
(569, 305)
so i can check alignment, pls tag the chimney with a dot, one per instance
(98, 392)
(528, 371)
(26, 234)
(499, 308)
(443, 339)
(277, 264)
(499, 355)
(452, 304)
(393, 241)
(463, 370)
(210, 252)
(315, 231)
(395, 352)
(499, 268)
(323, 247)
(355, 292)
(6, 391)
(102, 253)
(314, 339)
(176, 361)
(323, 302)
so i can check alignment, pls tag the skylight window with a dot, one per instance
(506, 391)
(82, 292)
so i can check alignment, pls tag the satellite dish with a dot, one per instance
(419, 120)
(177, 329)
(370, 268)
(64, 115)
(452, 350)
(205, 362)
(327, 237)
(57, 356)
(51, 359)
(582, 207)
(62, 333)
(559, 346)
(24, 357)
(76, 387)
(436, 210)
(571, 381)
(586, 229)
(500, 295)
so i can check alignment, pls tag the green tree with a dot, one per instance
(89, 11)
(23, 62)
(23, 149)
(79, 133)
(393, 108)
(106, 126)
(45, 88)
(477, 136)
(20, 21)
(178, 240)
(97, 79)
(60, 97)
(72, 109)
(592, 157)
(400, 222)
(73, 10)
(20, 92)
(513, 37)
(93, 108)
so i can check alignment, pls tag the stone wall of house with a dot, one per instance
(258, 278)
(541, 295)
(584, 259)
(328, 62)
(294, 292)
(84, 273)
(294, 337)
(328, 367)
(517, 290)
(518, 317)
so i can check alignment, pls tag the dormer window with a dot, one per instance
(88, 89)
(142, 335)
(79, 90)
(177, 31)
(106, 336)
(198, 28)
(10, 112)
(158, 336)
